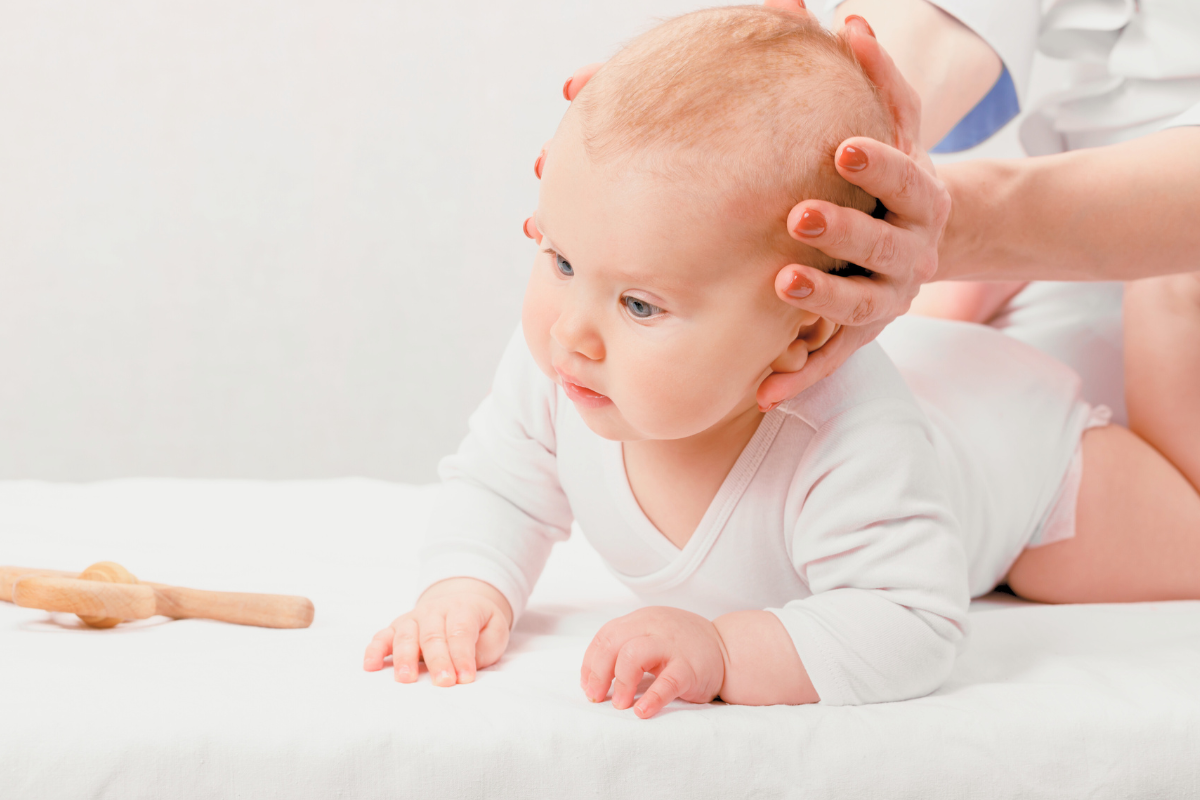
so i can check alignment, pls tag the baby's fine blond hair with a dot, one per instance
(744, 98)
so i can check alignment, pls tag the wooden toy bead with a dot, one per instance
(108, 572)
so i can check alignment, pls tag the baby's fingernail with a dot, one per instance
(800, 287)
(812, 222)
(403, 671)
(566, 89)
(445, 677)
(853, 159)
(640, 710)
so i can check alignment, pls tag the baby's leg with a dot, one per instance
(1137, 531)
(1162, 367)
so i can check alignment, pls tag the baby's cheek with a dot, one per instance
(538, 314)
(670, 399)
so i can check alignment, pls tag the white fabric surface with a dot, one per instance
(1046, 702)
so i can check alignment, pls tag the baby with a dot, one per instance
(822, 550)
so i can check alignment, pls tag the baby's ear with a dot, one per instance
(811, 336)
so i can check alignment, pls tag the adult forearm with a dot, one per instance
(762, 667)
(1121, 212)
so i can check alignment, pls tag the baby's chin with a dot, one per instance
(609, 423)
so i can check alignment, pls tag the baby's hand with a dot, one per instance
(683, 651)
(459, 626)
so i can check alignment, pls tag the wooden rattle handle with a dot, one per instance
(10, 575)
(88, 599)
(106, 593)
(240, 608)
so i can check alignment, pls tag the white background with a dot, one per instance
(269, 238)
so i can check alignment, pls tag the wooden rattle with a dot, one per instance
(105, 594)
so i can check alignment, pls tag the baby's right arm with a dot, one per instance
(458, 626)
(497, 514)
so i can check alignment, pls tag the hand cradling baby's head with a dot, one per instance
(662, 210)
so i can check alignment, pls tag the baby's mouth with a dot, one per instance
(581, 395)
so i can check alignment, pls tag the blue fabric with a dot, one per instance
(991, 114)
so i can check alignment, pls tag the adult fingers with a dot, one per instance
(895, 91)
(853, 236)
(910, 192)
(379, 649)
(435, 650)
(845, 300)
(462, 632)
(530, 228)
(405, 649)
(540, 160)
(794, 6)
(635, 658)
(576, 82)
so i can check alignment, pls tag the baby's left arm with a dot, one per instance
(745, 657)
(873, 537)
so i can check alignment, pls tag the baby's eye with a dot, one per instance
(640, 308)
(564, 267)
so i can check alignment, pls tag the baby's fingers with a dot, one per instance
(462, 632)
(405, 649)
(436, 651)
(637, 657)
(379, 649)
(670, 684)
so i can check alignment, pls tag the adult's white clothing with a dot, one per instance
(1136, 64)
(862, 516)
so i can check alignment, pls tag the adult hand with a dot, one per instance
(900, 250)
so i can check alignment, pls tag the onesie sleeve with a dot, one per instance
(500, 507)
(875, 540)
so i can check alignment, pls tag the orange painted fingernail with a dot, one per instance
(800, 287)
(537, 165)
(866, 24)
(566, 89)
(852, 159)
(812, 223)
(525, 227)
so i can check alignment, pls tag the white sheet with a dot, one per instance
(1053, 702)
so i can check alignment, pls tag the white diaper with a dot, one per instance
(1059, 523)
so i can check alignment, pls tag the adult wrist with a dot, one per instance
(981, 192)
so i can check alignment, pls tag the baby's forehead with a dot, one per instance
(629, 221)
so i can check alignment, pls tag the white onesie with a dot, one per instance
(860, 515)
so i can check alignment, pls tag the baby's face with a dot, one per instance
(651, 302)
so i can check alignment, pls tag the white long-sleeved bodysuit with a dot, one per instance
(860, 515)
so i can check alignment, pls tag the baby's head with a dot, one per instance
(663, 208)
